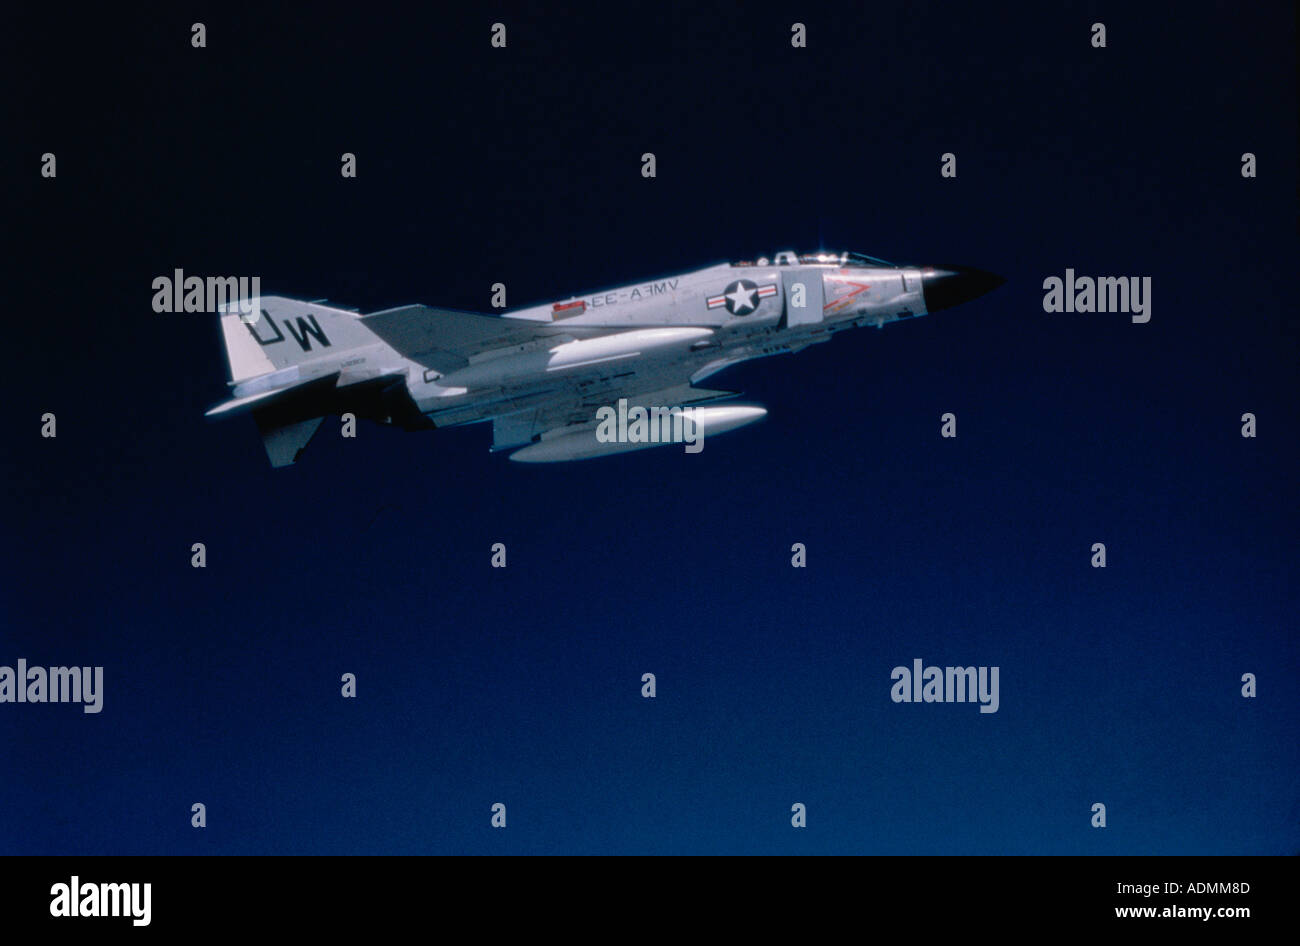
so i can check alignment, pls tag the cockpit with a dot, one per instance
(822, 258)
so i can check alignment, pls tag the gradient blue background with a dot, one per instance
(523, 685)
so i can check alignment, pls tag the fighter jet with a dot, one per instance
(551, 378)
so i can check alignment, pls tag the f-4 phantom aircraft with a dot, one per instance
(542, 374)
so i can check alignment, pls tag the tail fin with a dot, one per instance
(286, 332)
(265, 351)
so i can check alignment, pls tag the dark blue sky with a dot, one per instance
(522, 685)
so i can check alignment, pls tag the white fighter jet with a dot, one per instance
(592, 375)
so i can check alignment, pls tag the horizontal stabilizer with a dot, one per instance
(263, 399)
(285, 444)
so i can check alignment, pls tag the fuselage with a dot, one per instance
(694, 323)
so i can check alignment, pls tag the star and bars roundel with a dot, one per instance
(741, 297)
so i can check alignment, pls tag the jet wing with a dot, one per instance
(446, 339)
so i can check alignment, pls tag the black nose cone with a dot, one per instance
(947, 286)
